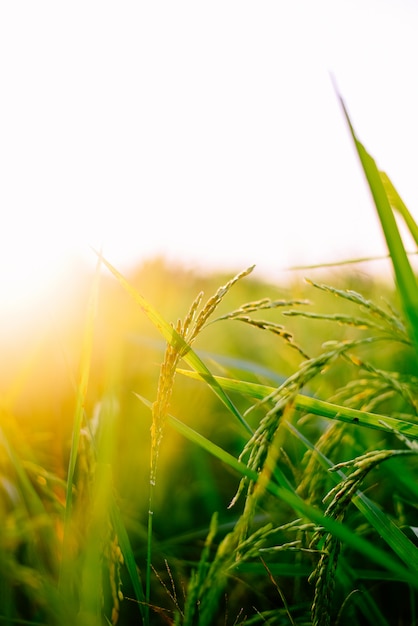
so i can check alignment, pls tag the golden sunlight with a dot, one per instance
(36, 277)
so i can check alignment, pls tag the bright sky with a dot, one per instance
(205, 131)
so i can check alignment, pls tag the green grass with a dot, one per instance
(254, 462)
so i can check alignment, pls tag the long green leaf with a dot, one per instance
(318, 407)
(398, 204)
(405, 278)
(128, 555)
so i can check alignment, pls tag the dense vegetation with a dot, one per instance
(265, 472)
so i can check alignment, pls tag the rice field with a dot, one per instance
(179, 452)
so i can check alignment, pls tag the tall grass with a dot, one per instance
(296, 489)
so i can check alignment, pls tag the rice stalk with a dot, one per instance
(160, 410)
(209, 580)
(340, 498)
(187, 331)
(171, 336)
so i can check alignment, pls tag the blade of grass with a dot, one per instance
(398, 204)
(82, 386)
(317, 407)
(405, 278)
(128, 556)
(317, 266)
(84, 374)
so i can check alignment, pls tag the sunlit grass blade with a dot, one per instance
(82, 385)
(173, 337)
(318, 407)
(398, 204)
(356, 261)
(405, 278)
(84, 373)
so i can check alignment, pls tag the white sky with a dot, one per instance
(205, 131)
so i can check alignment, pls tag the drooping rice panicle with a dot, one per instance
(376, 386)
(361, 323)
(259, 305)
(392, 322)
(340, 498)
(276, 329)
(160, 409)
(187, 331)
(402, 384)
(314, 479)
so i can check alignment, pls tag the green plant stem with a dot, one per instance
(149, 551)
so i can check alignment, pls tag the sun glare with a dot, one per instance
(33, 282)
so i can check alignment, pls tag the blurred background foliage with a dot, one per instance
(38, 384)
